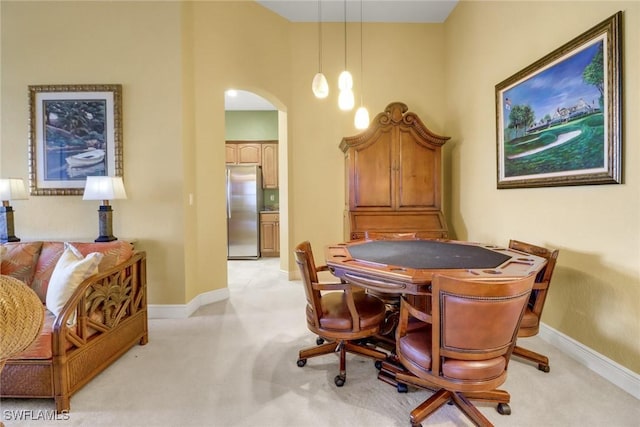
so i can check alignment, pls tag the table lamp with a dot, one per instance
(10, 189)
(104, 188)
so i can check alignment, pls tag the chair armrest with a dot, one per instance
(348, 291)
(100, 303)
(415, 312)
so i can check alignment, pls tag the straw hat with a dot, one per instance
(21, 317)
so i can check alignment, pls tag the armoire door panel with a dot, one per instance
(373, 176)
(418, 180)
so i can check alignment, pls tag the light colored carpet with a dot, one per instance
(234, 364)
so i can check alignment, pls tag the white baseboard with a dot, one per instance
(183, 311)
(615, 373)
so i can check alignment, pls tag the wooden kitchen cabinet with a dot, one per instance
(261, 153)
(249, 154)
(243, 153)
(269, 234)
(269, 165)
(231, 154)
(393, 177)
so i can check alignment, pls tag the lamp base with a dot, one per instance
(105, 215)
(106, 239)
(6, 225)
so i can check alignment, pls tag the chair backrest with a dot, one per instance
(306, 264)
(543, 279)
(476, 320)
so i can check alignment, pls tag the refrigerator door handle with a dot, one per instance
(228, 194)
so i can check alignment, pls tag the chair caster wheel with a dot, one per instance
(302, 362)
(402, 388)
(319, 341)
(378, 364)
(503, 409)
(339, 380)
(544, 368)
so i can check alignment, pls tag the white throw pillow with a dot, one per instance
(72, 268)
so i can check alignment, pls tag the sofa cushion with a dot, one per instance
(41, 347)
(114, 253)
(71, 269)
(19, 260)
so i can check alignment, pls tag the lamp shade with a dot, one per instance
(320, 86)
(12, 189)
(362, 118)
(345, 80)
(346, 99)
(104, 188)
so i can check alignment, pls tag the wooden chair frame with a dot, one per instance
(537, 299)
(342, 341)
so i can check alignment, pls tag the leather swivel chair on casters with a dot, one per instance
(342, 318)
(531, 320)
(463, 349)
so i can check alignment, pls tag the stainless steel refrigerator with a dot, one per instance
(244, 201)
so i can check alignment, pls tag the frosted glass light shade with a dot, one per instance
(320, 86)
(12, 189)
(346, 100)
(362, 118)
(345, 80)
(104, 188)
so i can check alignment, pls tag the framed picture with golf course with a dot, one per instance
(559, 119)
(75, 131)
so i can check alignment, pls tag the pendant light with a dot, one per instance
(361, 120)
(319, 85)
(346, 100)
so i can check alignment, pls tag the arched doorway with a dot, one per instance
(255, 132)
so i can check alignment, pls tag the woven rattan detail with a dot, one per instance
(21, 316)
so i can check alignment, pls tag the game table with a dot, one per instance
(406, 266)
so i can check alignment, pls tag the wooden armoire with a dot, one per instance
(393, 178)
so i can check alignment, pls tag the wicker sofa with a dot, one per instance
(102, 319)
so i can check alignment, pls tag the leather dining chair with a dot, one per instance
(531, 320)
(463, 349)
(342, 317)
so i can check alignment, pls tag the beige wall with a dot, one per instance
(595, 298)
(401, 63)
(175, 68)
(93, 42)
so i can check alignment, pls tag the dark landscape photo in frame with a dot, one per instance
(75, 131)
(559, 120)
(75, 138)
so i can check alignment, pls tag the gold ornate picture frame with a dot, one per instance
(559, 121)
(75, 131)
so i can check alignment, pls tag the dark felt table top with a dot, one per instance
(427, 254)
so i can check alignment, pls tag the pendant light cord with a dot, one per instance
(345, 35)
(361, 56)
(320, 35)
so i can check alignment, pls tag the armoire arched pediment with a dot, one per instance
(393, 177)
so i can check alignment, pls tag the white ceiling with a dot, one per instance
(412, 11)
(419, 11)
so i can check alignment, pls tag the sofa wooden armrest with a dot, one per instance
(103, 319)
